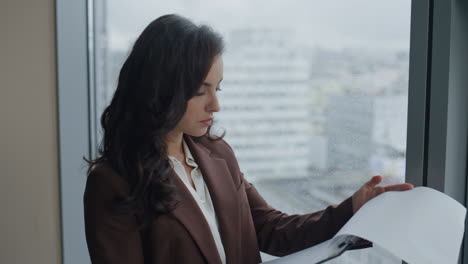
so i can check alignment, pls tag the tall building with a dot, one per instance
(349, 131)
(264, 104)
(367, 133)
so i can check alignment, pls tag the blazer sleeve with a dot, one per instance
(111, 238)
(280, 234)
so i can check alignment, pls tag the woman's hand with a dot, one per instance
(370, 190)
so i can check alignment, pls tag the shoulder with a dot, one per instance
(218, 146)
(104, 181)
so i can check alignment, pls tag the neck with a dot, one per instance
(174, 144)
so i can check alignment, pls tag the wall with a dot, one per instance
(29, 186)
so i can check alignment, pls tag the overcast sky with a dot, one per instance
(371, 24)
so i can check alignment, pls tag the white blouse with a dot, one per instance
(200, 194)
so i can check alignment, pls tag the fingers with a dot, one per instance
(399, 187)
(379, 190)
(374, 181)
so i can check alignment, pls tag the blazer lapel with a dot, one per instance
(223, 194)
(190, 215)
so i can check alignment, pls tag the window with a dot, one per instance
(436, 147)
(314, 97)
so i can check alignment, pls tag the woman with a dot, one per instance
(163, 190)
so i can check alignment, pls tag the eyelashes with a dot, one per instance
(200, 94)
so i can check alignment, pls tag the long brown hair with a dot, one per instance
(166, 67)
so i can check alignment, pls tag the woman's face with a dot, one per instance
(200, 108)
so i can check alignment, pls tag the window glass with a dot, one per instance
(314, 96)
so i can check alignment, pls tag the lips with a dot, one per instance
(207, 122)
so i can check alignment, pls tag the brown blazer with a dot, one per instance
(247, 223)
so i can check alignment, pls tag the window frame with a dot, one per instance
(438, 32)
(436, 108)
(74, 109)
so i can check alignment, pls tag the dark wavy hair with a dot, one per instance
(165, 68)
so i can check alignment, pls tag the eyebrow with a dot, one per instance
(209, 84)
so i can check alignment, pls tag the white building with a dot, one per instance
(264, 105)
(368, 132)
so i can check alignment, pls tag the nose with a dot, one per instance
(213, 105)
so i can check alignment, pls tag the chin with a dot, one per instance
(197, 133)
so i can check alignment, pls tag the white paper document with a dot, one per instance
(420, 226)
